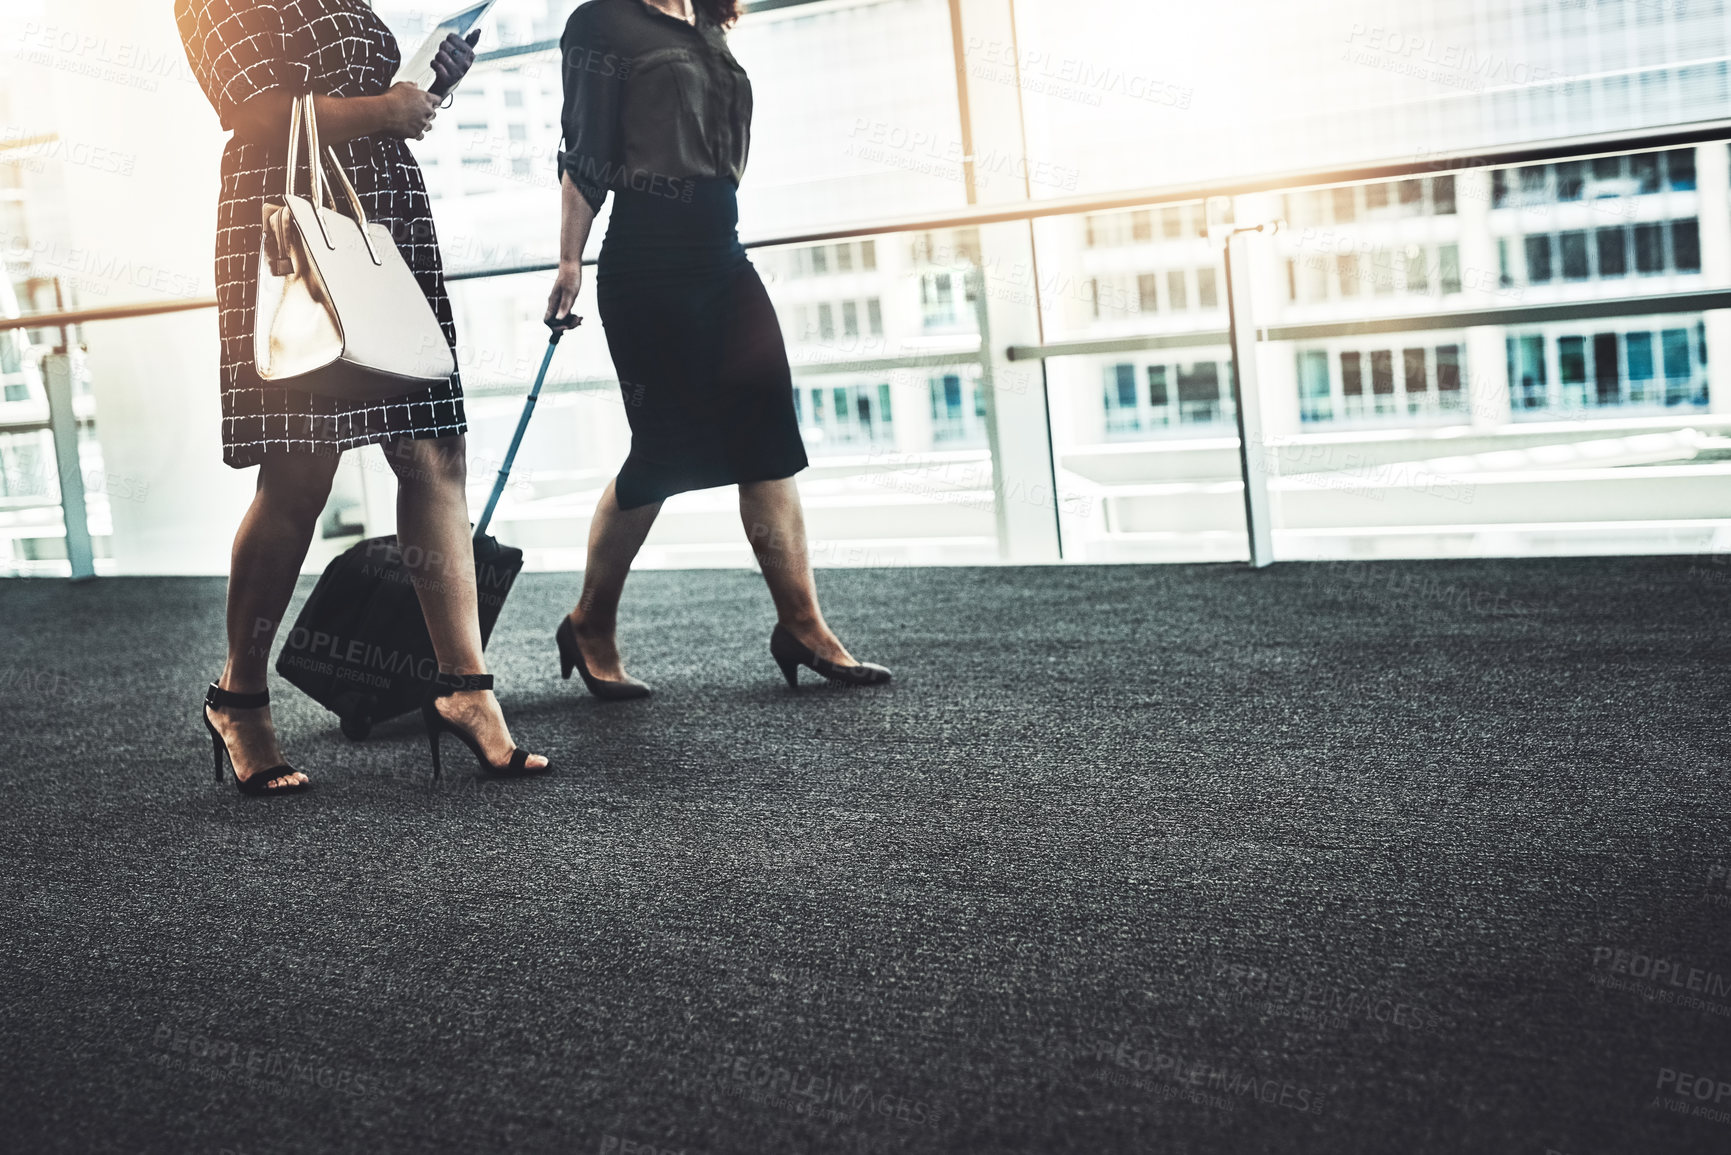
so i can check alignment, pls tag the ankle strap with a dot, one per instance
(447, 684)
(218, 698)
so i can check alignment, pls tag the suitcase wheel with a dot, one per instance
(356, 727)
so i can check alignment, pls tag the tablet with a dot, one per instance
(418, 69)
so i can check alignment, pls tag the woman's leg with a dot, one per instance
(268, 550)
(615, 536)
(775, 525)
(433, 529)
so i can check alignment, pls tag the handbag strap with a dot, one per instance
(303, 114)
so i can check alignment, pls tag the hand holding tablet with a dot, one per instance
(445, 57)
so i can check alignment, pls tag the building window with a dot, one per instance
(1449, 262)
(1315, 400)
(1538, 259)
(1146, 292)
(1176, 291)
(875, 317)
(1207, 292)
(844, 416)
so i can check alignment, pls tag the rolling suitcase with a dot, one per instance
(360, 646)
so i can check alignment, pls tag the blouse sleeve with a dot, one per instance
(240, 48)
(594, 147)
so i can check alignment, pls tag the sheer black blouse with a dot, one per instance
(650, 101)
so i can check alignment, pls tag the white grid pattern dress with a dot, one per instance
(238, 49)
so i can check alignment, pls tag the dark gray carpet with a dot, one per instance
(1331, 858)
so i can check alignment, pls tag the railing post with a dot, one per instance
(63, 423)
(1247, 398)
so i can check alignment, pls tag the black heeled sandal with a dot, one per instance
(571, 658)
(217, 698)
(790, 654)
(437, 724)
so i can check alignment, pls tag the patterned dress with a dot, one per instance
(238, 49)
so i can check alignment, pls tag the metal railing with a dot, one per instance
(1577, 148)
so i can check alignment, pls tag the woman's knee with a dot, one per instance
(433, 461)
(297, 486)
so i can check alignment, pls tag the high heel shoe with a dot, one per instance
(437, 724)
(217, 698)
(790, 654)
(571, 658)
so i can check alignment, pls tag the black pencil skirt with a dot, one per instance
(696, 344)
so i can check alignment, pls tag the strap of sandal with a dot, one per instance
(218, 698)
(261, 781)
(447, 684)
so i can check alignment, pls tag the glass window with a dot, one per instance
(1674, 344)
(1176, 290)
(1382, 371)
(1607, 170)
(1199, 391)
(1315, 404)
(513, 98)
(1533, 182)
(1538, 259)
(1157, 385)
(1415, 364)
(1686, 246)
(1124, 386)
(850, 318)
(1142, 226)
(875, 316)
(1417, 271)
(1573, 246)
(1375, 197)
(1411, 193)
(1352, 374)
(1649, 248)
(1499, 187)
(1442, 195)
(820, 259)
(844, 258)
(1572, 360)
(1571, 181)
(1345, 203)
(1607, 381)
(1147, 293)
(826, 322)
(1644, 168)
(1347, 264)
(1449, 258)
(1207, 292)
(1613, 252)
(1527, 376)
(1680, 169)
(868, 252)
(1172, 222)
(1638, 348)
(1448, 368)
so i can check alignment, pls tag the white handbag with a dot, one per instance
(338, 313)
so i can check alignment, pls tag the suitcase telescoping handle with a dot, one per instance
(560, 327)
